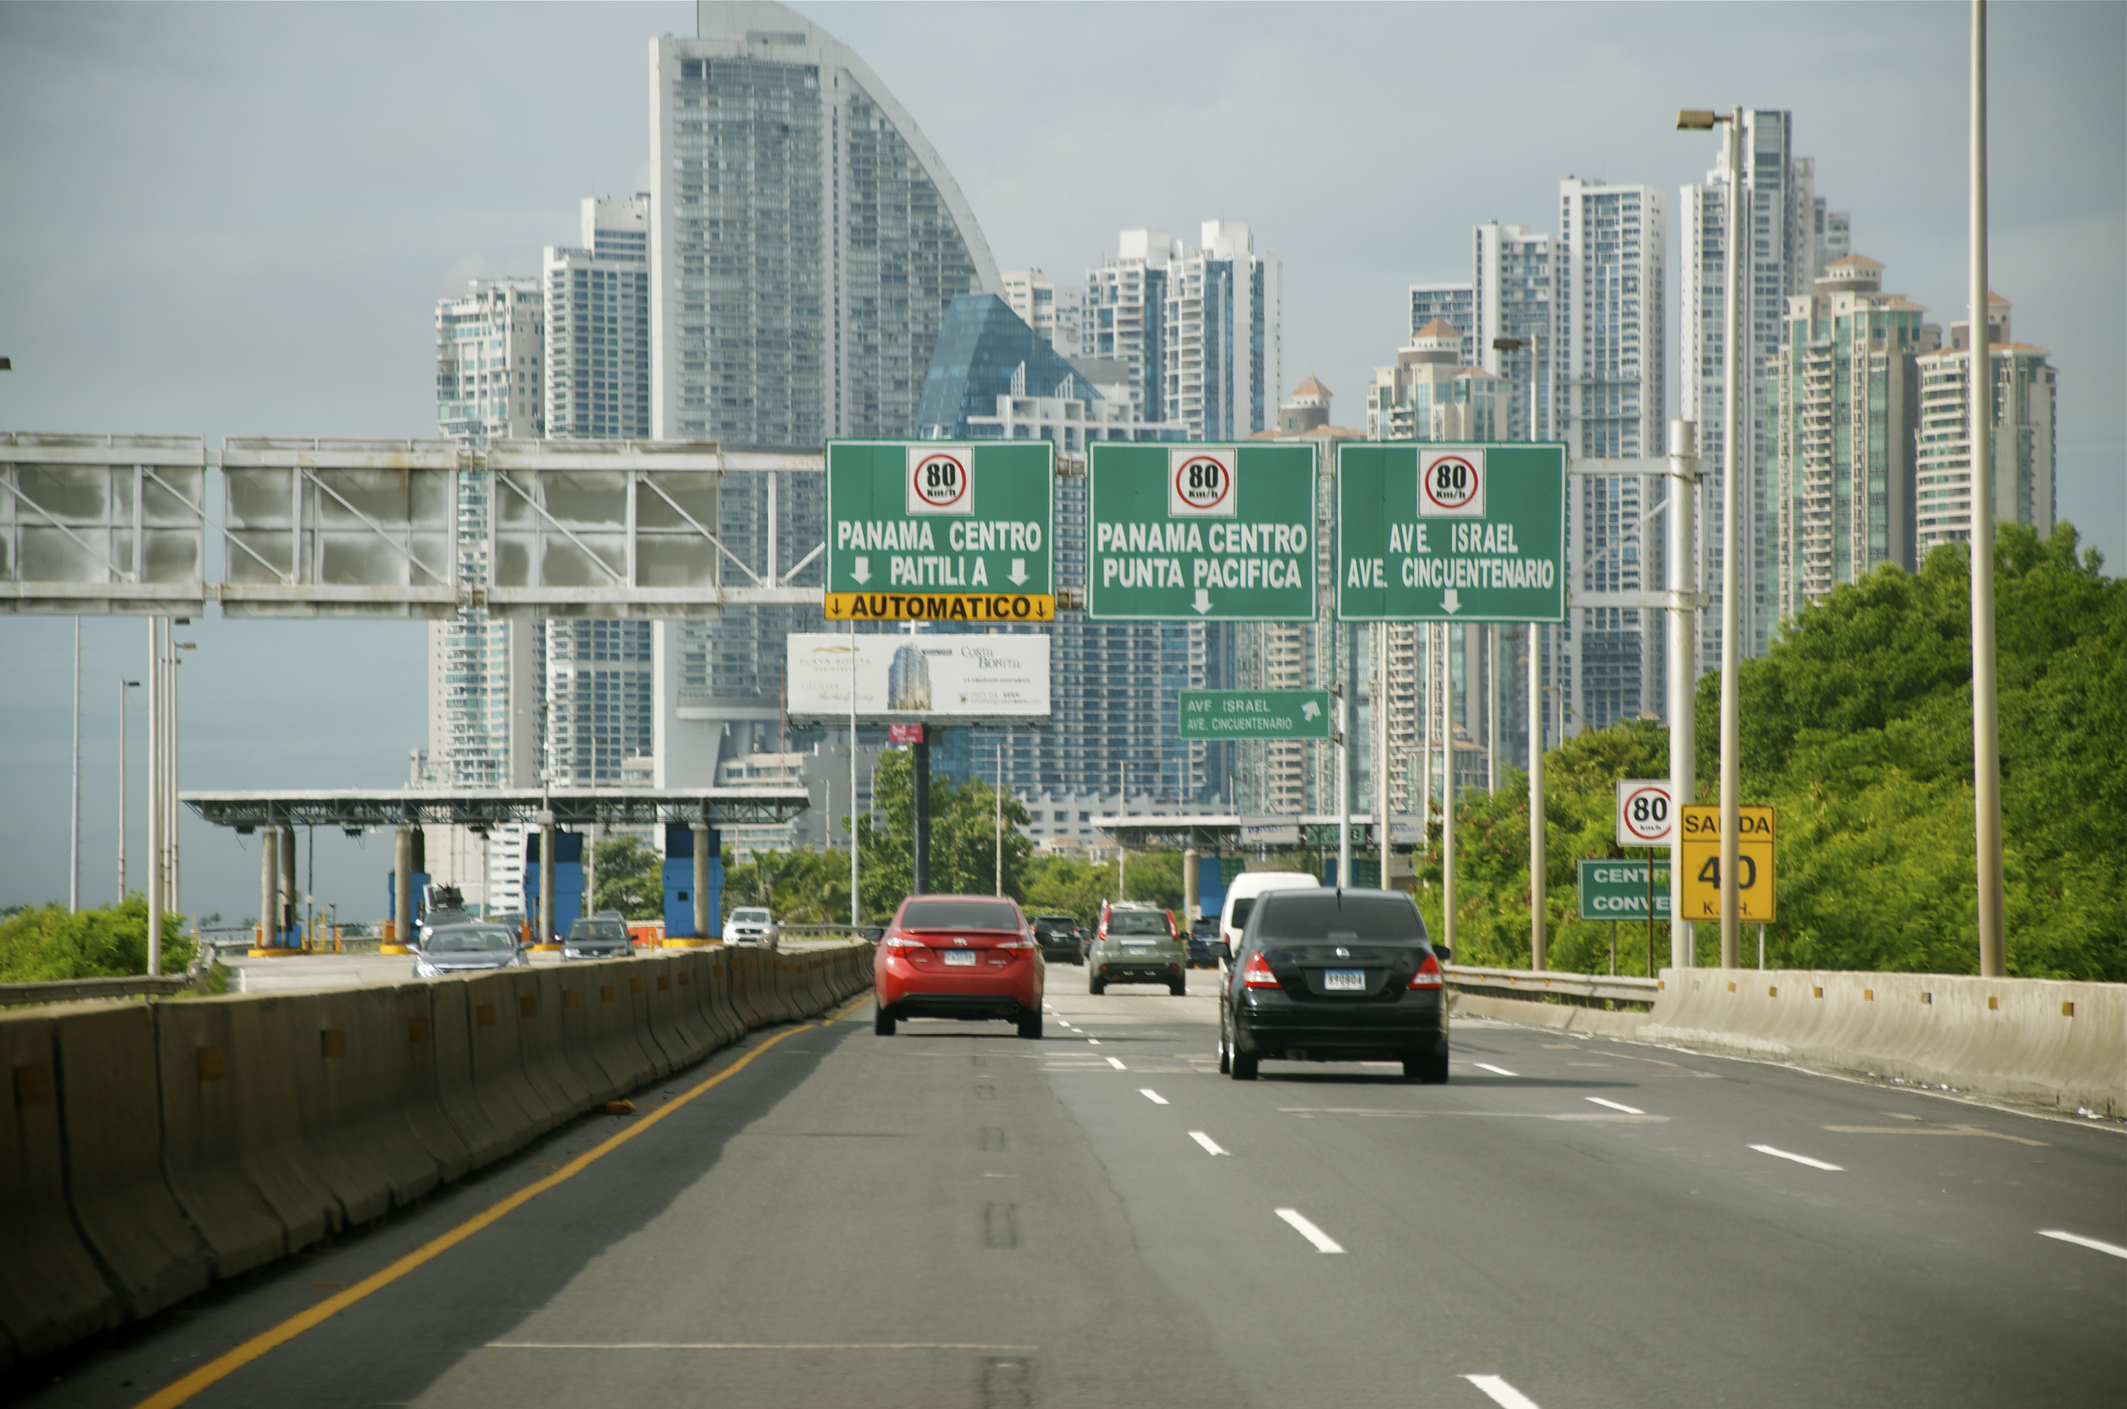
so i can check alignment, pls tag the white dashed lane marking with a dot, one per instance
(1151, 1095)
(1617, 1106)
(1496, 1071)
(1798, 1159)
(1500, 1392)
(1323, 1242)
(2082, 1242)
(1117, 1063)
(1212, 1147)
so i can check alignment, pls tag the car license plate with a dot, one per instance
(1137, 949)
(960, 958)
(1344, 980)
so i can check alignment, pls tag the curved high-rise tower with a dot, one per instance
(805, 239)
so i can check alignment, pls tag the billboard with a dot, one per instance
(943, 679)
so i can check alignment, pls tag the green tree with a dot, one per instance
(46, 942)
(630, 878)
(801, 887)
(963, 839)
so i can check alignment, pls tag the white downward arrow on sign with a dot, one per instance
(1451, 602)
(1018, 574)
(1203, 600)
(861, 569)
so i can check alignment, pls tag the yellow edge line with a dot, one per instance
(294, 1326)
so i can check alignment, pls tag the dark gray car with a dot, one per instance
(1335, 976)
(464, 949)
(597, 939)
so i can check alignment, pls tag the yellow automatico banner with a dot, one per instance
(989, 608)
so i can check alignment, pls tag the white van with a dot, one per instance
(1241, 895)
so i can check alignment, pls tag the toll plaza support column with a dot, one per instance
(1192, 878)
(284, 913)
(269, 884)
(547, 849)
(702, 834)
(402, 891)
(920, 805)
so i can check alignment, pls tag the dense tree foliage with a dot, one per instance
(46, 942)
(1857, 725)
(628, 876)
(964, 850)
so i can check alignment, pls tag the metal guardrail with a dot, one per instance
(75, 990)
(1536, 984)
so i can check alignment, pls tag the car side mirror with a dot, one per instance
(1225, 951)
(873, 933)
(1446, 955)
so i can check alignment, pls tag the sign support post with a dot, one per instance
(1536, 796)
(1683, 662)
(919, 780)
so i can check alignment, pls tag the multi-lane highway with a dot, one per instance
(957, 1217)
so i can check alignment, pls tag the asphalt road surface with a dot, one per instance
(955, 1217)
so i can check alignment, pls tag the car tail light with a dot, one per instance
(1428, 975)
(1256, 972)
(1020, 944)
(901, 942)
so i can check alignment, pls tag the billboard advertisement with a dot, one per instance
(940, 679)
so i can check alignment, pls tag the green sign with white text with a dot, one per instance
(1617, 890)
(1441, 532)
(1194, 532)
(1255, 714)
(940, 531)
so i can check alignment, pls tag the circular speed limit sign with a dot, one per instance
(1644, 814)
(937, 483)
(1202, 482)
(1451, 484)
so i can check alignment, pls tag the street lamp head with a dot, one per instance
(1698, 119)
(1509, 344)
(130, 684)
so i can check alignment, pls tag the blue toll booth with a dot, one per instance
(1214, 875)
(679, 883)
(568, 880)
(391, 901)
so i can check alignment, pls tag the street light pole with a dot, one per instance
(1986, 735)
(1702, 120)
(123, 686)
(1536, 697)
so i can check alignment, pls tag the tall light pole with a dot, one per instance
(73, 843)
(1702, 120)
(1986, 736)
(1536, 696)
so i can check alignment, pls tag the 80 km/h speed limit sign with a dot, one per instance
(1646, 813)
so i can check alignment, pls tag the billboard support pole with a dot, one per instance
(854, 919)
(919, 780)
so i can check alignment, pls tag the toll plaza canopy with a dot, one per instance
(495, 807)
(1216, 832)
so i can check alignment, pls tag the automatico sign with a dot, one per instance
(1200, 532)
(1451, 532)
(938, 531)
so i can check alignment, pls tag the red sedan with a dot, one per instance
(972, 957)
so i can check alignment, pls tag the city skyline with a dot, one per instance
(224, 255)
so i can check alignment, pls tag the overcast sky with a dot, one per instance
(235, 220)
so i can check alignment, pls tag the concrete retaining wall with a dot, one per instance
(150, 1150)
(2034, 1041)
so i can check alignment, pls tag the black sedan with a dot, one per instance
(1058, 935)
(1328, 975)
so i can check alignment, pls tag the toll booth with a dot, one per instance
(568, 880)
(679, 883)
(1214, 875)
(419, 891)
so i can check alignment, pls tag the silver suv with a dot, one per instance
(1137, 943)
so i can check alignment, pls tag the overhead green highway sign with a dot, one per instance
(940, 531)
(1444, 532)
(1200, 532)
(1254, 714)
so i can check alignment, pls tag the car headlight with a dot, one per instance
(424, 969)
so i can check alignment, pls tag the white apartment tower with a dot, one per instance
(1511, 298)
(1224, 336)
(598, 325)
(805, 239)
(1125, 315)
(491, 362)
(2024, 434)
(1453, 304)
(1793, 238)
(1055, 314)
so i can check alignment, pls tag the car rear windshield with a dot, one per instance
(1367, 917)
(959, 915)
(598, 929)
(470, 941)
(1136, 922)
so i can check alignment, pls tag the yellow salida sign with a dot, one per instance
(1699, 840)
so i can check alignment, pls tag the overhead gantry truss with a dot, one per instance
(488, 808)
(123, 525)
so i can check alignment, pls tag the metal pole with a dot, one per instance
(1536, 795)
(1121, 795)
(154, 798)
(1496, 638)
(174, 891)
(269, 882)
(854, 920)
(1344, 782)
(284, 918)
(1683, 665)
(1378, 718)
(73, 845)
(998, 869)
(402, 896)
(123, 686)
(1731, 466)
(1447, 788)
(920, 808)
(1986, 736)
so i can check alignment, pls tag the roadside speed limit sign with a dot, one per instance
(1646, 814)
